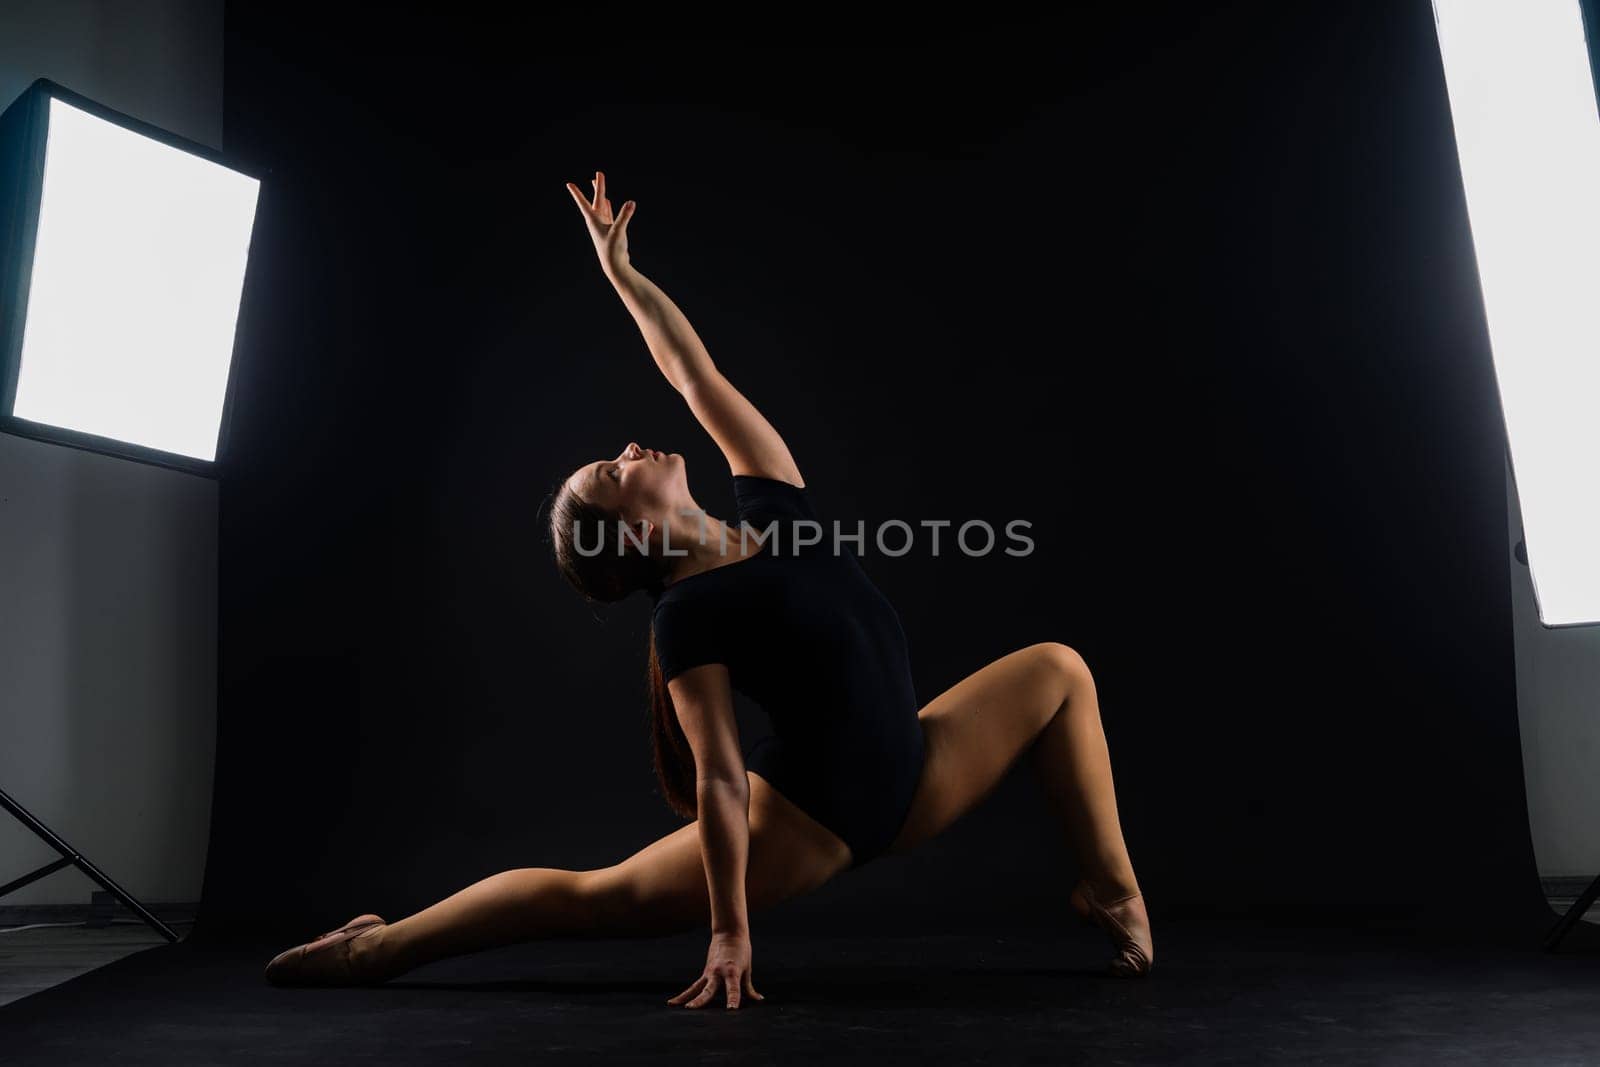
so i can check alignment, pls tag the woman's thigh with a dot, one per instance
(662, 888)
(975, 730)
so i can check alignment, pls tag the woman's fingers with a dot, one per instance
(582, 200)
(707, 993)
(601, 204)
(693, 987)
(604, 225)
(704, 990)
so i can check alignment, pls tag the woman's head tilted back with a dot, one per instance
(638, 489)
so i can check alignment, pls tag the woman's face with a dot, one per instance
(640, 483)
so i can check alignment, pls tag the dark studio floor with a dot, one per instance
(1221, 993)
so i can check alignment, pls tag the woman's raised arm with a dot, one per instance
(748, 441)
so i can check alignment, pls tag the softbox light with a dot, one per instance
(122, 265)
(1522, 99)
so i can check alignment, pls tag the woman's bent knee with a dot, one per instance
(1065, 661)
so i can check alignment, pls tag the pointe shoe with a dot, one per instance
(326, 960)
(1129, 929)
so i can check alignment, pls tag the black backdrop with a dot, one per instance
(1192, 292)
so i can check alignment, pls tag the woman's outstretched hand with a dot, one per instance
(609, 232)
(728, 968)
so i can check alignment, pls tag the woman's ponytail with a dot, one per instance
(674, 759)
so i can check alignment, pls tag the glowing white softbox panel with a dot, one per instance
(1528, 135)
(130, 286)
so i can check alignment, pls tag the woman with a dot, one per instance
(853, 770)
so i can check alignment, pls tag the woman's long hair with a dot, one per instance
(613, 572)
(674, 759)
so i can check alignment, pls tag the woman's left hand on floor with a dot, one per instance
(727, 968)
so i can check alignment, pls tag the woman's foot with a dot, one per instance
(1128, 924)
(345, 956)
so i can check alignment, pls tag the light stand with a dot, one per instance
(71, 857)
(143, 236)
(1574, 915)
(1586, 899)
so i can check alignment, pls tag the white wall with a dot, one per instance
(108, 568)
(1558, 707)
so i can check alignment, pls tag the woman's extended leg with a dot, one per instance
(1040, 698)
(661, 889)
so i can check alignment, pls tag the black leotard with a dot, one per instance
(807, 636)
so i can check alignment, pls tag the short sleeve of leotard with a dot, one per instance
(688, 633)
(760, 500)
(684, 637)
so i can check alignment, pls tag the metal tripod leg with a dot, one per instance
(72, 857)
(1579, 909)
